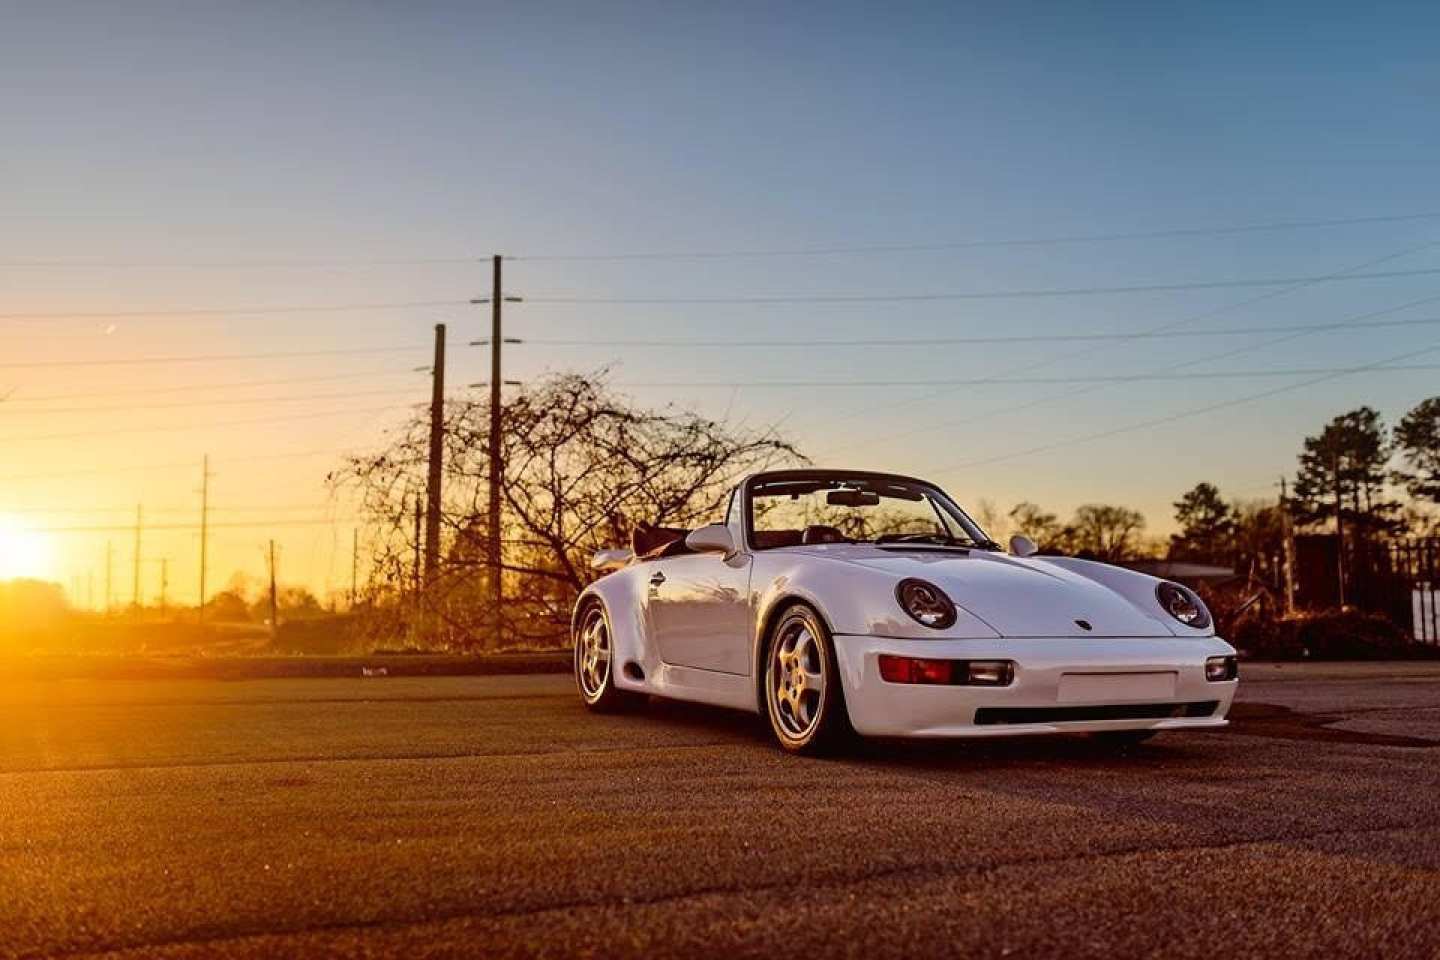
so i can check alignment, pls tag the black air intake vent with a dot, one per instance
(990, 716)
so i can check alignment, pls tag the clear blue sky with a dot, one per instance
(232, 132)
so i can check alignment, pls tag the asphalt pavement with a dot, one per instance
(492, 816)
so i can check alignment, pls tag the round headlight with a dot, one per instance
(1182, 604)
(927, 603)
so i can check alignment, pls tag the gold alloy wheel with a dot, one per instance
(592, 654)
(796, 680)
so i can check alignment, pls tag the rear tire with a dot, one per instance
(803, 696)
(594, 662)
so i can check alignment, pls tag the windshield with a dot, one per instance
(795, 510)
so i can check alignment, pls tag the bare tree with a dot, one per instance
(583, 466)
(1107, 532)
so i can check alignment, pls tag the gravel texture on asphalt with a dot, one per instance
(492, 816)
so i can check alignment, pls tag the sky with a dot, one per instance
(169, 157)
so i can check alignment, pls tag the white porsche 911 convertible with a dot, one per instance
(837, 602)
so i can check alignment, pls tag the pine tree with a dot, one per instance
(1418, 437)
(1207, 526)
(1342, 470)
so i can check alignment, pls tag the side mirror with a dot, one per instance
(712, 538)
(610, 559)
(1022, 546)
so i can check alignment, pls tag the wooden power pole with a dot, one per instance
(1339, 532)
(204, 529)
(354, 565)
(497, 472)
(415, 567)
(135, 591)
(496, 468)
(274, 605)
(433, 482)
(1287, 532)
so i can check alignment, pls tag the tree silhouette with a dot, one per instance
(1342, 473)
(1418, 437)
(1207, 526)
(583, 466)
(1104, 532)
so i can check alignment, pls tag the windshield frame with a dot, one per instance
(938, 497)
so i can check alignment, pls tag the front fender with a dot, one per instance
(851, 599)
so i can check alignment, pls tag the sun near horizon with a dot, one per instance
(25, 554)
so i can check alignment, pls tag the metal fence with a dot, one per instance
(1401, 579)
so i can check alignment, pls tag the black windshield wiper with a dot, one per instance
(936, 539)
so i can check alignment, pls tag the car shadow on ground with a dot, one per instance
(1171, 750)
(954, 753)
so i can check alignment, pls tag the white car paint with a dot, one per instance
(691, 627)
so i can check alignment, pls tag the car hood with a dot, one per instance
(1017, 597)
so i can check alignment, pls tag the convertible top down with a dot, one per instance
(835, 602)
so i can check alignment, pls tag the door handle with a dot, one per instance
(658, 579)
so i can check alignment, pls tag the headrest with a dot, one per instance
(819, 533)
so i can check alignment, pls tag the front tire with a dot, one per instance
(594, 662)
(803, 696)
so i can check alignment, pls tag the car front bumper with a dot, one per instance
(1061, 685)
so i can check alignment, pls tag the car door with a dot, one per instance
(700, 611)
(699, 606)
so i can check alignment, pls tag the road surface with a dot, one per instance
(444, 816)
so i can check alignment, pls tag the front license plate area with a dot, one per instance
(1116, 687)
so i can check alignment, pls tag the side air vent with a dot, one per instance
(633, 671)
(991, 716)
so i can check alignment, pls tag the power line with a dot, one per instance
(81, 511)
(202, 425)
(172, 465)
(971, 341)
(1174, 325)
(256, 264)
(205, 358)
(869, 248)
(990, 294)
(1169, 371)
(160, 527)
(1198, 411)
(228, 401)
(229, 311)
(1020, 381)
(202, 387)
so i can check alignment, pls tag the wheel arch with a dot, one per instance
(588, 597)
(766, 622)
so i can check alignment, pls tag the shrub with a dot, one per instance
(1351, 635)
(1264, 638)
(1334, 635)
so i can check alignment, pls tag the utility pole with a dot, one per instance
(497, 473)
(415, 567)
(1287, 532)
(204, 529)
(135, 592)
(109, 582)
(437, 454)
(354, 565)
(1339, 531)
(164, 583)
(274, 606)
(496, 479)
